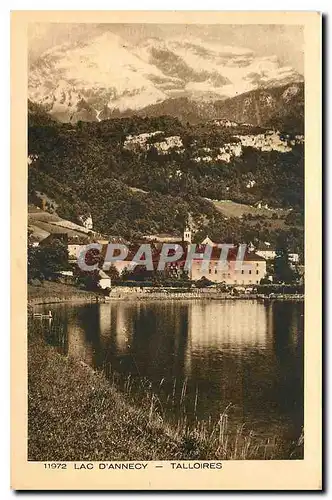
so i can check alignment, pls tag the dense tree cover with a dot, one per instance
(86, 169)
(88, 280)
(44, 262)
(282, 269)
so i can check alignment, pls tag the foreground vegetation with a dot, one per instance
(75, 413)
(50, 291)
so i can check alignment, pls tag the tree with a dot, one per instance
(282, 269)
(89, 280)
(113, 273)
(203, 282)
(44, 262)
(53, 258)
(34, 271)
(158, 278)
(222, 287)
(126, 274)
(265, 281)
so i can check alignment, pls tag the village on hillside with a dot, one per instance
(266, 269)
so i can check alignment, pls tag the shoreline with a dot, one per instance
(37, 301)
(53, 293)
(191, 296)
(68, 294)
(95, 299)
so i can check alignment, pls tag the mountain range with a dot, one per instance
(106, 77)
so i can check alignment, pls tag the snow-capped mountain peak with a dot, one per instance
(79, 80)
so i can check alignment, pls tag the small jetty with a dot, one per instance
(42, 316)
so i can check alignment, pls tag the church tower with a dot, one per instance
(187, 235)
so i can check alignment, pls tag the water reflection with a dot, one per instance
(240, 352)
(229, 326)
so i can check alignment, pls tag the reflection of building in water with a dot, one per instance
(187, 356)
(226, 339)
(105, 316)
(124, 327)
(269, 319)
(77, 345)
(230, 323)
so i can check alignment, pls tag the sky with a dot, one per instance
(284, 41)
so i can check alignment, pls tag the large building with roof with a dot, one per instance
(249, 271)
(231, 271)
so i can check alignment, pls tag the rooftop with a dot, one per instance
(215, 253)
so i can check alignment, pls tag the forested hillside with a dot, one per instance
(95, 168)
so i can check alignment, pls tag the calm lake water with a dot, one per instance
(213, 353)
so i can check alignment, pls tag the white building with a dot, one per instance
(209, 242)
(74, 250)
(86, 221)
(104, 280)
(293, 258)
(187, 235)
(266, 251)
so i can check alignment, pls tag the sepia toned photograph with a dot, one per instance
(165, 249)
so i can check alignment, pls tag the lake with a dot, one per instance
(199, 356)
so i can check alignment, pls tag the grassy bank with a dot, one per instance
(49, 292)
(77, 414)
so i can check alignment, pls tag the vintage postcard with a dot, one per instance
(166, 283)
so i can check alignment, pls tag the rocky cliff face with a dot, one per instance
(280, 107)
